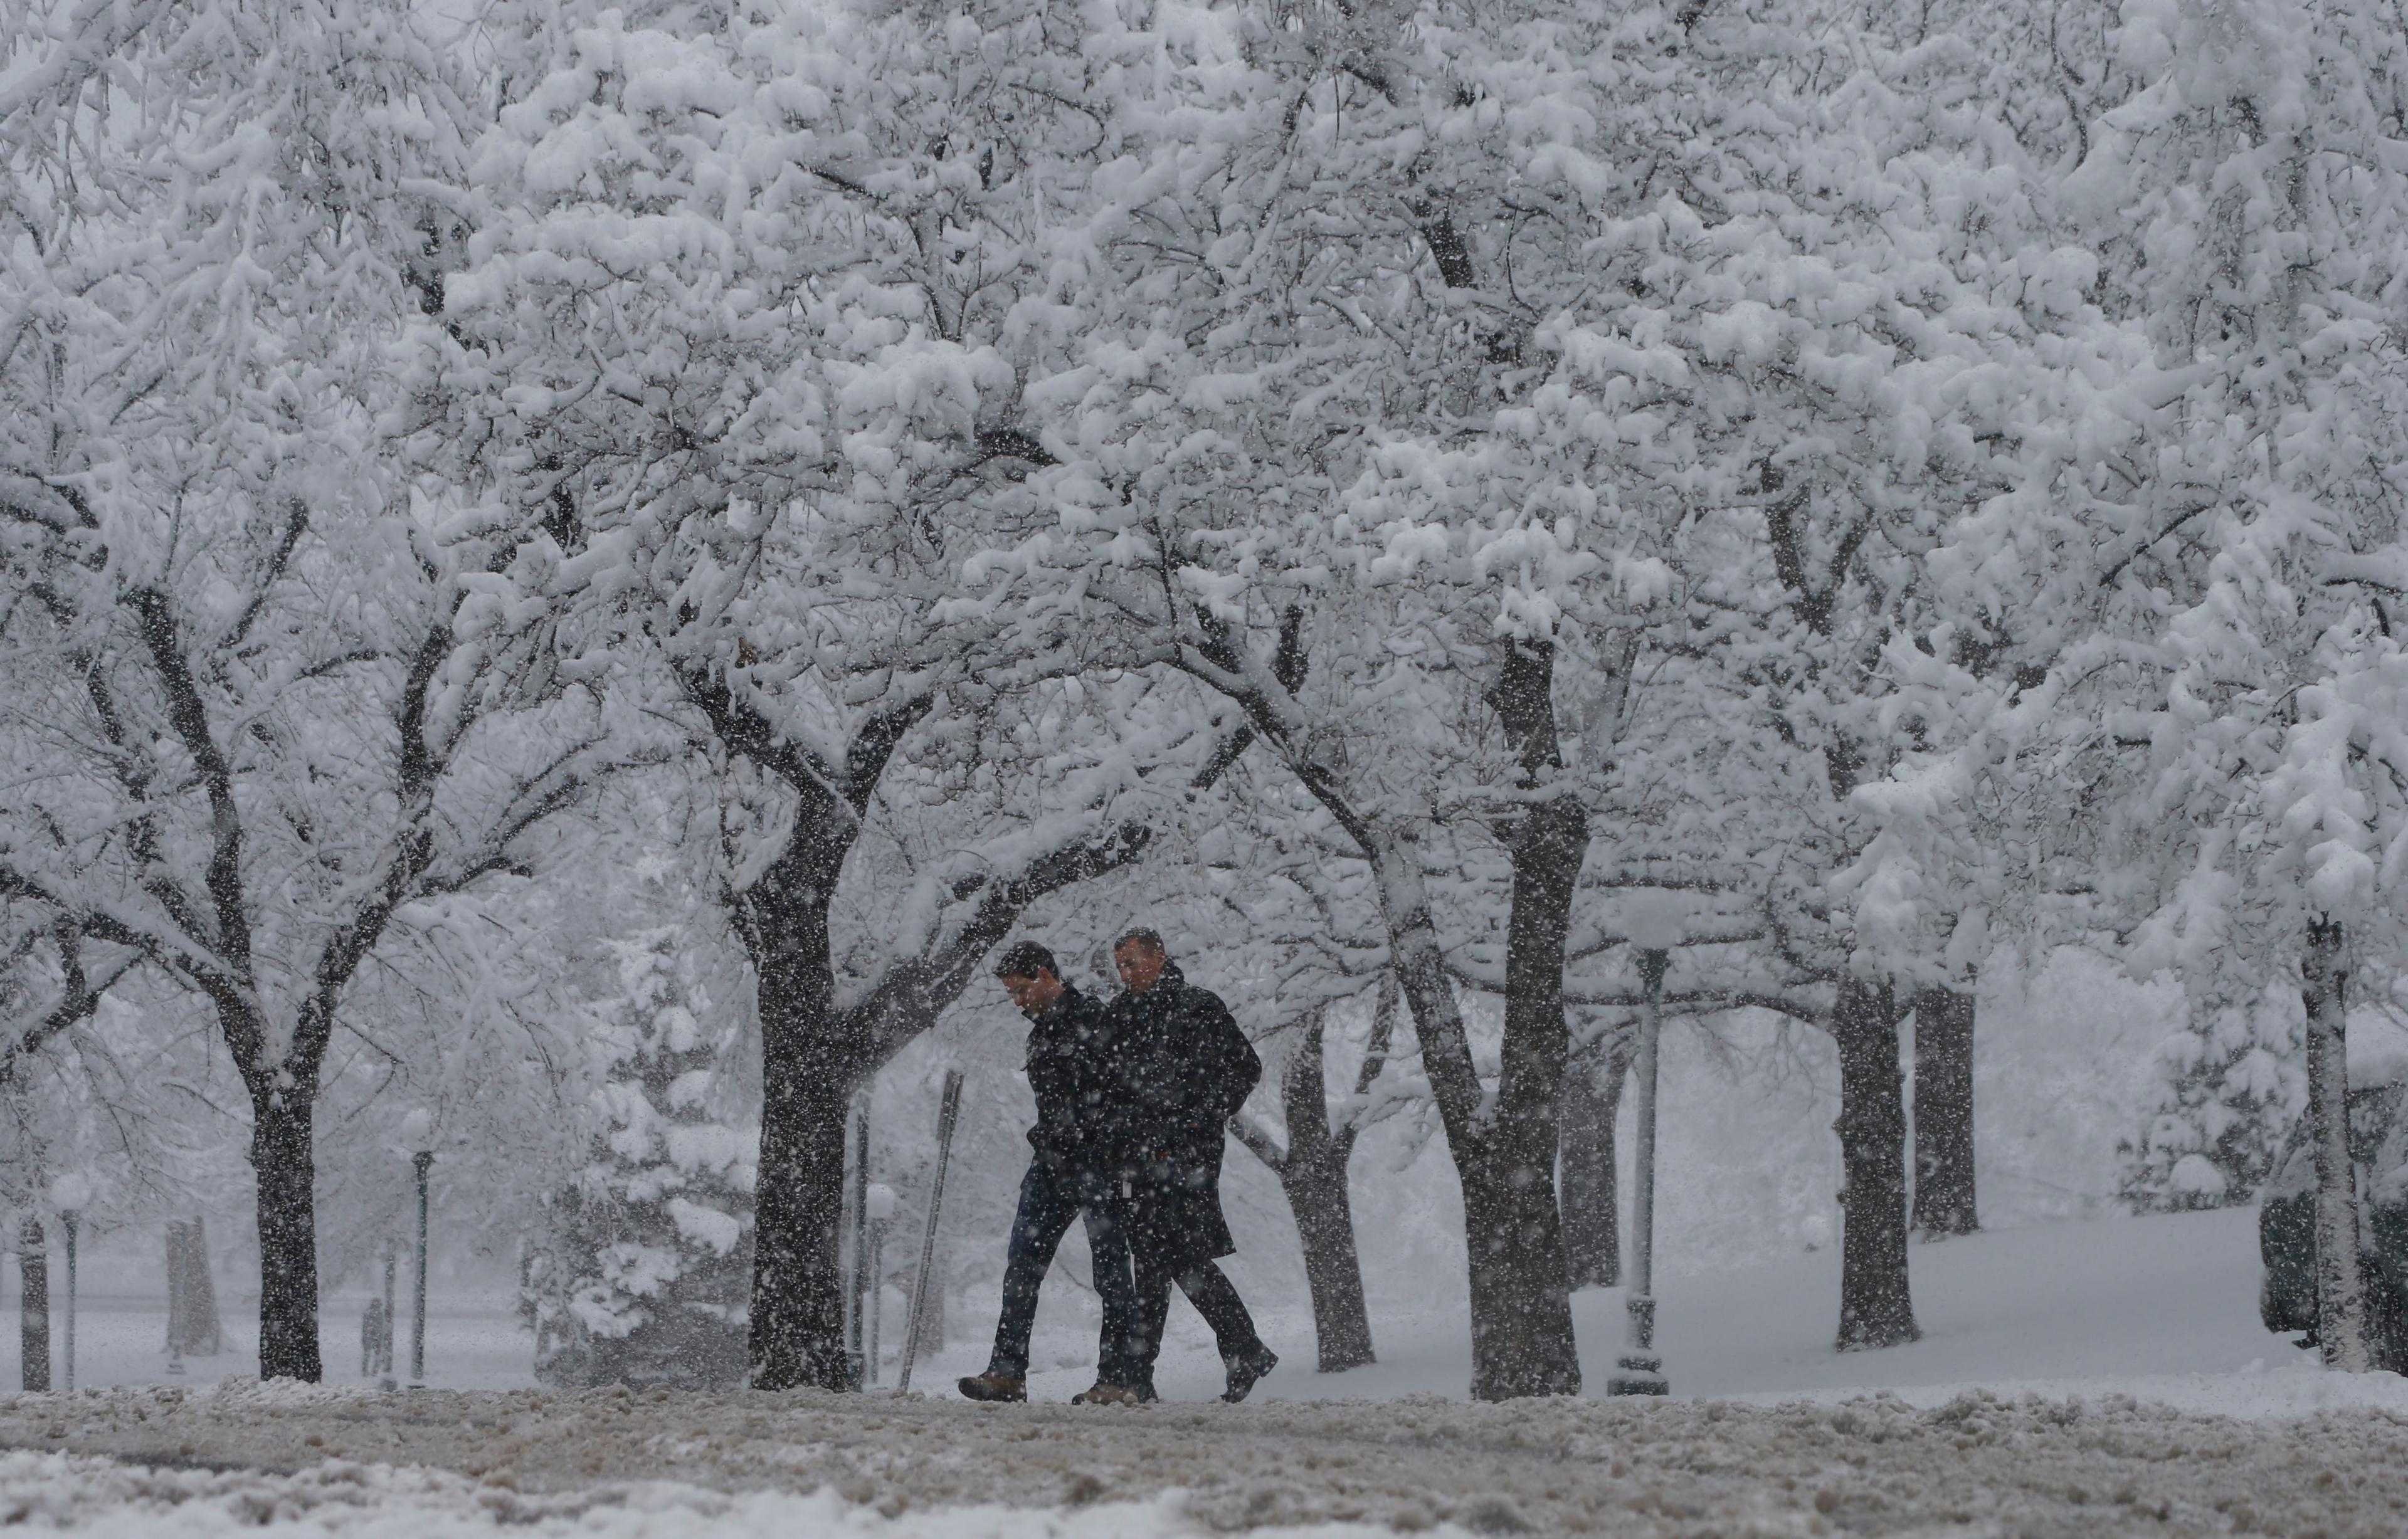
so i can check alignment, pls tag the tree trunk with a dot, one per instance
(284, 1167)
(1586, 1186)
(34, 1308)
(1333, 1271)
(1944, 1112)
(809, 1076)
(1521, 1288)
(1522, 1341)
(1876, 1307)
(1314, 1175)
(1504, 1150)
(2341, 1294)
(1312, 1172)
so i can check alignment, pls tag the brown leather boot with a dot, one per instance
(992, 1386)
(1106, 1394)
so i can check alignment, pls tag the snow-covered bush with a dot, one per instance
(642, 1276)
(2231, 1088)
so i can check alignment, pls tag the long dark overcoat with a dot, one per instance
(1181, 1068)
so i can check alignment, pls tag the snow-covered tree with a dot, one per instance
(2251, 198)
(642, 1273)
(2230, 1090)
(230, 613)
(730, 356)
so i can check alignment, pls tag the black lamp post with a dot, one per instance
(423, 1161)
(70, 1217)
(71, 1191)
(418, 1140)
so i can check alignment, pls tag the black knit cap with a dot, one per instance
(1026, 960)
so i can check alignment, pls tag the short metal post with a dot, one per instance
(424, 1160)
(948, 1112)
(1640, 1371)
(70, 1217)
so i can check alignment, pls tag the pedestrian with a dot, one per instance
(1181, 1068)
(1069, 1176)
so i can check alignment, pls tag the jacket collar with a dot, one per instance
(1167, 985)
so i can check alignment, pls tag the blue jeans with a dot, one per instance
(1049, 1200)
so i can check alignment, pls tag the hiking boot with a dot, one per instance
(1247, 1369)
(992, 1386)
(1106, 1394)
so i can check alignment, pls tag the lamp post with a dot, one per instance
(1640, 1371)
(71, 1192)
(69, 1217)
(384, 1343)
(418, 1137)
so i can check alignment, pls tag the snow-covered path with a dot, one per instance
(2124, 1386)
(609, 1463)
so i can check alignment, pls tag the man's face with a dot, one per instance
(1139, 966)
(1034, 996)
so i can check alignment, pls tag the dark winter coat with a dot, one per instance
(1180, 1068)
(1069, 1074)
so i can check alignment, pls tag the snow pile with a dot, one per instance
(106, 1498)
(700, 1466)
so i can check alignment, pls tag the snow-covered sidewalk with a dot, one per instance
(606, 1463)
(2086, 1378)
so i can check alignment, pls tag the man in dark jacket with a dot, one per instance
(1070, 1176)
(1181, 1068)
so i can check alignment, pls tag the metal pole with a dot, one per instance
(424, 1160)
(1640, 1370)
(69, 1217)
(947, 1111)
(384, 1348)
(862, 1372)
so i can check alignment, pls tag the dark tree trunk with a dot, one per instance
(33, 1308)
(1944, 1112)
(1585, 1174)
(809, 1073)
(1522, 1341)
(1333, 1273)
(1504, 1150)
(2341, 1291)
(1876, 1306)
(815, 1056)
(1314, 1175)
(1521, 1283)
(285, 1170)
(1312, 1172)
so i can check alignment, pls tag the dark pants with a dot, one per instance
(1048, 1202)
(1215, 1298)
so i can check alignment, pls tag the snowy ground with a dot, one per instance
(694, 1467)
(2124, 1386)
(2160, 1306)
